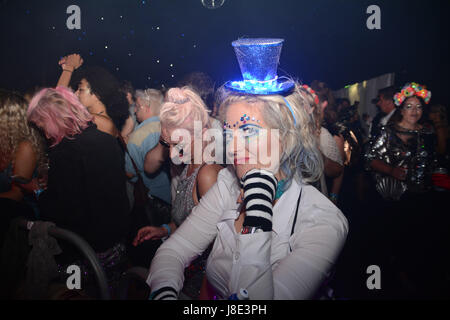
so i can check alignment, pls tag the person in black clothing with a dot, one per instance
(86, 179)
(385, 102)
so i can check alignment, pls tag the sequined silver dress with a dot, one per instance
(417, 156)
(184, 202)
(181, 208)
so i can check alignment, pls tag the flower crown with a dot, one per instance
(311, 92)
(410, 90)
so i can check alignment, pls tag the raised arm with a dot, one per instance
(68, 65)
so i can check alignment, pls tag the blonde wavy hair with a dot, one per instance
(300, 156)
(14, 129)
(183, 106)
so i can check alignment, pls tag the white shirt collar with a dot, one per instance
(386, 118)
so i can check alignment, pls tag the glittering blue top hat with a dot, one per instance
(258, 60)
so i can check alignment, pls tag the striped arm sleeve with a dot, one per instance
(165, 293)
(259, 192)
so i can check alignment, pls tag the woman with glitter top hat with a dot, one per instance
(277, 237)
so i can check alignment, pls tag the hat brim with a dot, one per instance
(278, 87)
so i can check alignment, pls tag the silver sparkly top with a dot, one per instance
(417, 156)
(184, 202)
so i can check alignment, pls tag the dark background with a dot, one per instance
(325, 39)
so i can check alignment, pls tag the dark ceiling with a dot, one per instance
(158, 41)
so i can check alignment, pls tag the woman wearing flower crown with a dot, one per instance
(402, 156)
(276, 236)
(402, 160)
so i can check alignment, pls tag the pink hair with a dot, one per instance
(59, 113)
(183, 106)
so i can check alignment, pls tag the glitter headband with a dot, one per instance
(410, 90)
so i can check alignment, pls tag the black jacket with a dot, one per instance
(376, 128)
(87, 188)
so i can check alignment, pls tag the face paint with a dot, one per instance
(249, 130)
(246, 132)
(243, 120)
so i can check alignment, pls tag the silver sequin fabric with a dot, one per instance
(181, 208)
(184, 203)
(417, 156)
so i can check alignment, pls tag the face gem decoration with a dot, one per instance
(243, 119)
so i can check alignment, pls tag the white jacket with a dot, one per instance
(262, 263)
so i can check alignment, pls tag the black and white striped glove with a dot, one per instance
(259, 192)
(165, 293)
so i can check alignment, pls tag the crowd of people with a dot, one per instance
(302, 194)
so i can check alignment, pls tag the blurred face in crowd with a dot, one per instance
(345, 104)
(434, 116)
(412, 111)
(142, 110)
(181, 146)
(386, 105)
(129, 98)
(330, 116)
(84, 94)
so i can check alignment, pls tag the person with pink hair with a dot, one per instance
(86, 178)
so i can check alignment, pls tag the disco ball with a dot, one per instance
(213, 4)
